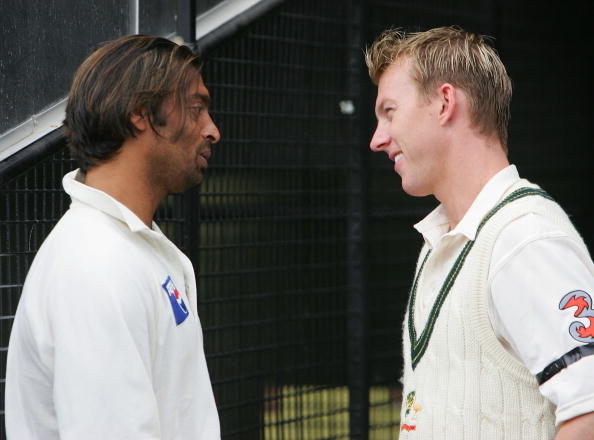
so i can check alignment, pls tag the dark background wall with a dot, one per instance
(302, 238)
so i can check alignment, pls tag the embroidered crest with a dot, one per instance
(410, 415)
(583, 304)
(180, 311)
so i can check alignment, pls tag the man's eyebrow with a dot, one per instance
(202, 97)
(380, 106)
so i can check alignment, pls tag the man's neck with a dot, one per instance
(473, 170)
(125, 180)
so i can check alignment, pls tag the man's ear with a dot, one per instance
(447, 98)
(140, 121)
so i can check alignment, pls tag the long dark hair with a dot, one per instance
(133, 74)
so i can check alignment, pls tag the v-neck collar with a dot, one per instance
(419, 345)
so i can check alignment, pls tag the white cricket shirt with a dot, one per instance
(533, 266)
(106, 342)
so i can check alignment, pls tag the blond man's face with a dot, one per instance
(407, 130)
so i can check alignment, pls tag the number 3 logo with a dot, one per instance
(583, 303)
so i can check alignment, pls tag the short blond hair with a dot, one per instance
(450, 54)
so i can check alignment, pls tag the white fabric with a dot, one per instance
(465, 385)
(95, 352)
(534, 264)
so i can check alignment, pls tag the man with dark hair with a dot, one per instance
(106, 341)
(492, 348)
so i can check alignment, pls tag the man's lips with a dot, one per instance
(205, 156)
(393, 155)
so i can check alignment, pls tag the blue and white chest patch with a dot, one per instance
(180, 311)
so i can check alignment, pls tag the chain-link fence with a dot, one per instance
(301, 239)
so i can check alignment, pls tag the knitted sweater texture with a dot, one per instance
(459, 382)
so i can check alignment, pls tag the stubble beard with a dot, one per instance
(167, 175)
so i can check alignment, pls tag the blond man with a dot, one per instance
(497, 338)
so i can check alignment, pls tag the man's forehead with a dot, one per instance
(385, 90)
(396, 77)
(398, 70)
(199, 83)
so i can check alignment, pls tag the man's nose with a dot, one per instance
(379, 140)
(212, 131)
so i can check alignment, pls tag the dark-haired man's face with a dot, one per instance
(178, 164)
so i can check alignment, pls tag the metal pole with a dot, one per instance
(186, 20)
(357, 230)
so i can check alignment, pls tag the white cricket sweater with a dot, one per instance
(465, 385)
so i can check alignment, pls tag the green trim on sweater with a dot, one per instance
(418, 346)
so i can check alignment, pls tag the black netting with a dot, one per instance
(273, 265)
(302, 240)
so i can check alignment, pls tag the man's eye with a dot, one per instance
(197, 109)
(389, 112)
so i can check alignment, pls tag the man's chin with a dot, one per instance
(195, 181)
(188, 183)
(414, 191)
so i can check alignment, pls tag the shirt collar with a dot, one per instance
(435, 225)
(73, 184)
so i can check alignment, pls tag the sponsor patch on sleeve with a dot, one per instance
(583, 309)
(180, 311)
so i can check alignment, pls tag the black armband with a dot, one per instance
(564, 361)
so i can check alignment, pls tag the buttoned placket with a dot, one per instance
(436, 270)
